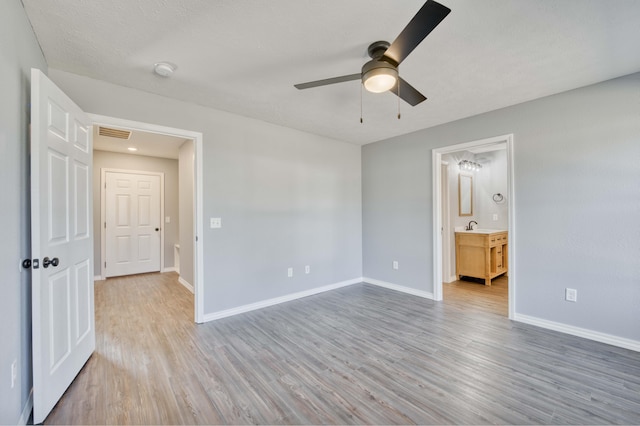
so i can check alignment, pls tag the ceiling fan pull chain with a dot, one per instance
(361, 121)
(398, 83)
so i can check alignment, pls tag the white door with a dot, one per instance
(132, 211)
(63, 329)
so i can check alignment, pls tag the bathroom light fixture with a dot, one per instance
(469, 166)
(379, 76)
(164, 69)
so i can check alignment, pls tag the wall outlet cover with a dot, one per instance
(289, 272)
(571, 295)
(395, 264)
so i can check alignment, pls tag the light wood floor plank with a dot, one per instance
(356, 355)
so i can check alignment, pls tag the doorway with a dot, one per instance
(191, 259)
(443, 228)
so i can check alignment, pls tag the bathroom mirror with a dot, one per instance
(465, 195)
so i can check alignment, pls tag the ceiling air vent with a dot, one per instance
(114, 133)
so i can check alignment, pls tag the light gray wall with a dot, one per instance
(115, 160)
(286, 198)
(187, 227)
(492, 179)
(19, 51)
(577, 204)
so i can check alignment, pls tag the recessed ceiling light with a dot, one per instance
(132, 148)
(164, 69)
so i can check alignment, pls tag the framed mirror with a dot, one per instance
(465, 195)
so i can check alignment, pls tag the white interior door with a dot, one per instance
(63, 330)
(133, 213)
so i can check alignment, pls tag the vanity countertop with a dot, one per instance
(483, 231)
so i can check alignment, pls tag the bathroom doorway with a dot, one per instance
(473, 188)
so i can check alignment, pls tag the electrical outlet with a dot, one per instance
(395, 264)
(290, 272)
(307, 269)
(215, 222)
(495, 217)
(14, 373)
(571, 295)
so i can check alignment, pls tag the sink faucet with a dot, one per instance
(470, 227)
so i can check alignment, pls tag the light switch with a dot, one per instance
(167, 219)
(216, 222)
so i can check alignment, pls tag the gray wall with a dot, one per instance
(114, 160)
(286, 198)
(187, 227)
(577, 204)
(19, 51)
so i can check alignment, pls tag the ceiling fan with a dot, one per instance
(380, 74)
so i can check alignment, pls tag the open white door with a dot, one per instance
(62, 242)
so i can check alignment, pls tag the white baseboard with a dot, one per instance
(98, 278)
(400, 288)
(621, 342)
(275, 301)
(169, 269)
(26, 412)
(187, 284)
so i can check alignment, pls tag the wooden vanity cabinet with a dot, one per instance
(481, 255)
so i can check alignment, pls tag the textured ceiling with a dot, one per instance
(244, 56)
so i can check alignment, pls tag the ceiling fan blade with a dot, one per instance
(427, 18)
(408, 93)
(328, 81)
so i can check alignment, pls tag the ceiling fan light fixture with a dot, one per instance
(379, 76)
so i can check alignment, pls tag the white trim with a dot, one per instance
(26, 411)
(401, 288)
(98, 278)
(103, 211)
(446, 218)
(197, 138)
(187, 284)
(609, 339)
(277, 300)
(169, 269)
(436, 159)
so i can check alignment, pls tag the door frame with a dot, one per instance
(436, 158)
(197, 137)
(103, 212)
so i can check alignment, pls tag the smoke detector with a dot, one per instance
(164, 69)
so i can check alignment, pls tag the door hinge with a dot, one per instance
(105, 264)
(105, 225)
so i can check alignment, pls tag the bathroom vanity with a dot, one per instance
(481, 253)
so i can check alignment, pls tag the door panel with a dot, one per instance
(63, 330)
(132, 230)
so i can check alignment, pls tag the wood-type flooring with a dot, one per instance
(357, 355)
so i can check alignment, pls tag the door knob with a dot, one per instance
(157, 229)
(53, 262)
